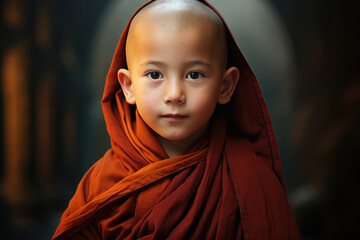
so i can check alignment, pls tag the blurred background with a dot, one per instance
(54, 59)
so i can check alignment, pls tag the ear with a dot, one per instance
(124, 79)
(228, 85)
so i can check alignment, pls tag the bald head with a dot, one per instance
(181, 13)
(176, 15)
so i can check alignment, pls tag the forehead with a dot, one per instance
(156, 36)
(175, 17)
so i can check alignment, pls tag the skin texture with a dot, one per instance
(176, 55)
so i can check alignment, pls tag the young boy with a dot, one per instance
(193, 151)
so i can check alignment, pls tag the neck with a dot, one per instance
(175, 148)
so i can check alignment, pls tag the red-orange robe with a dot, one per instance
(229, 185)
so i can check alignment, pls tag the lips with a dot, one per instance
(174, 117)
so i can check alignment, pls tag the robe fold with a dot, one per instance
(228, 185)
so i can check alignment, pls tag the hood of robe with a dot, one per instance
(246, 114)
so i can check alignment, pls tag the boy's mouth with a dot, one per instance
(173, 117)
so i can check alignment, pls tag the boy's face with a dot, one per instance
(176, 76)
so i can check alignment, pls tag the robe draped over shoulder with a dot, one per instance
(229, 185)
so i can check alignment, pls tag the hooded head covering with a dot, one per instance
(229, 185)
(247, 110)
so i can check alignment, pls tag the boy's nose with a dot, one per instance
(174, 92)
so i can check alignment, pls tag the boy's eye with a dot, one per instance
(194, 75)
(153, 75)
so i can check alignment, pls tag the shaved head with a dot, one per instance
(186, 12)
(175, 15)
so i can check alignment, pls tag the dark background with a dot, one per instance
(52, 128)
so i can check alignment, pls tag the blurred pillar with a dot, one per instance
(44, 102)
(16, 109)
(28, 69)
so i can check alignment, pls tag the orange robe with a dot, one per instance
(229, 185)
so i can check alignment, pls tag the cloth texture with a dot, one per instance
(229, 185)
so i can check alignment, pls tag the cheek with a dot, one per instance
(204, 105)
(146, 102)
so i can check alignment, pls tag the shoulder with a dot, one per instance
(253, 167)
(259, 190)
(106, 172)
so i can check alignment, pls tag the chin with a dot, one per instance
(174, 137)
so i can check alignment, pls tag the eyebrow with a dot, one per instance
(199, 62)
(193, 62)
(152, 62)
